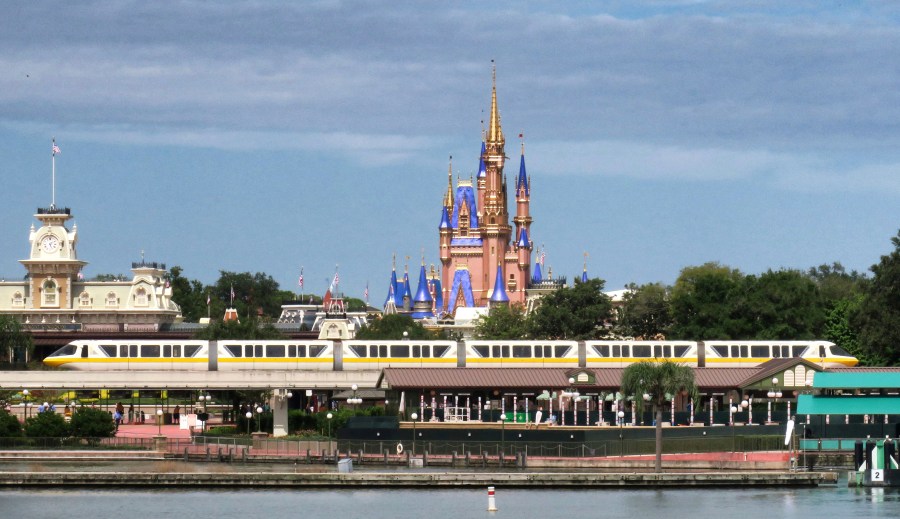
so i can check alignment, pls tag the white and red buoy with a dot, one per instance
(492, 504)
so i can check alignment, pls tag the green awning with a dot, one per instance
(856, 405)
(867, 380)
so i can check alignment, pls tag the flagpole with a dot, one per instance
(53, 160)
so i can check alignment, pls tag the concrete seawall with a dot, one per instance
(414, 479)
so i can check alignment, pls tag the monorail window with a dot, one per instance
(258, 350)
(821, 351)
(439, 351)
(248, 351)
(739, 351)
(360, 351)
(150, 351)
(110, 351)
(667, 351)
(657, 351)
(176, 350)
(681, 351)
(382, 351)
(401, 352)
(190, 350)
(315, 350)
(233, 349)
(640, 351)
(301, 351)
(68, 349)
(538, 352)
(798, 351)
(167, 351)
(837, 350)
(721, 350)
(561, 351)
(483, 351)
(417, 351)
(292, 350)
(617, 350)
(275, 350)
(785, 351)
(602, 351)
(133, 350)
(760, 352)
(501, 352)
(521, 352)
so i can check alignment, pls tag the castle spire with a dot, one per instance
(448, 198)
(495, 132)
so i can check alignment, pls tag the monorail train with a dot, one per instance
(322, 355)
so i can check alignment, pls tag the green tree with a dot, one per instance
(392, 326)
(878, 317)
(782, 304)
(661, 381)
(88, 422)
(502, 322)
(839, 330)
(578, 312)
(189, 294)
(836, 284)
(703, 302)
(46, 425)
(645, 312)
(14, 343)
(255, 295)
(245, 329)
(9, 425)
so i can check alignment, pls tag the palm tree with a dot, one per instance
(652, 380)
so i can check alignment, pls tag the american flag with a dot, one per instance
(300, 281)
(55, 148)
(232, 294)
(543, 256)
(337, 279)
(366, 293)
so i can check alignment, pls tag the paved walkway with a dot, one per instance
(150, 430)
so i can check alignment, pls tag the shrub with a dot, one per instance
(9, 425)
(46, 425)
(88, 422)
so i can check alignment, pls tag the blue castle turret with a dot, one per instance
(499, 296)
(423, 303)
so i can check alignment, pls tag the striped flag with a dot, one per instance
(300, 281)
(543, 256)
(366, 293)
(337, 279)
(55, 148)
(232, 294)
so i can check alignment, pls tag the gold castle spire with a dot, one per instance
(495, 133)
(448, 199)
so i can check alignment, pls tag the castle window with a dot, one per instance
(84, 300)
(111, 300)
(18, 299)
(50, 293)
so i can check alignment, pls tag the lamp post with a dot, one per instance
(646, 398)
(248, 416)
(329, 416)
(745, 405)
(733, 410)
(159, 417)
(502, 435)
(259, 411)
(25, 398)
(414, 417)
(621, 416)
(205, 400)
(773, 393)
(354, 399)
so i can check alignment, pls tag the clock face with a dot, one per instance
(50, 243)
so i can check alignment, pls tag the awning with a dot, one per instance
(855, 405)
(867, 380)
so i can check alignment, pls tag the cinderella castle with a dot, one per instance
(485, 259)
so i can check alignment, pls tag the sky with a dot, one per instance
(269, 136)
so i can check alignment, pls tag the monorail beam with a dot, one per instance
(212, 380)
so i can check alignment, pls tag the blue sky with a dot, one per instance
(266, 136)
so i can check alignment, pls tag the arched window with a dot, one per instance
(112, 300)
(18, 299)
(140, 297)
(49, 293)
(84, 300)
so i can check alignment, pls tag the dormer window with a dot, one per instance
(84, 300)
(50, 293)
(140, 298)
(111, 300)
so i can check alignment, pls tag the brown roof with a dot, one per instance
(530, 378)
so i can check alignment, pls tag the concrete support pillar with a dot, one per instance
(279, 406)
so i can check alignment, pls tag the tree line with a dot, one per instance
(714, 301)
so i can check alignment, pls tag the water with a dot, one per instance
(816, 503)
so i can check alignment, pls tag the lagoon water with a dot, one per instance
(768, 503)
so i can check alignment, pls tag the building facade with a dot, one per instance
(54, 295)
